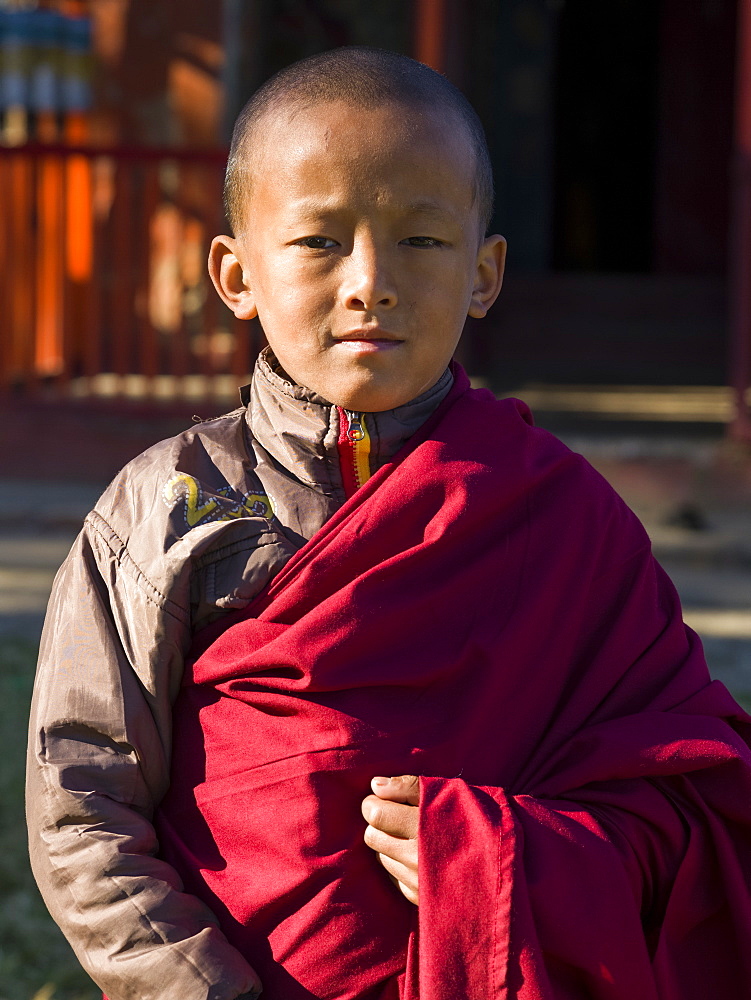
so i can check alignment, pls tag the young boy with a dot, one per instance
(273, 623)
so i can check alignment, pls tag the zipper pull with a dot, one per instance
(355, 431)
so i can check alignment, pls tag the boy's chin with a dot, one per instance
(361, 395)
(364, 395)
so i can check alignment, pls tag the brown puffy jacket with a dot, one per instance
(193, 527)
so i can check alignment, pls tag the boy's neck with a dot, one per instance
(300, 429)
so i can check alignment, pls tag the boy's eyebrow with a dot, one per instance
(316, 207)
(428, 205)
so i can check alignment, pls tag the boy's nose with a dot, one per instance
(369, 281)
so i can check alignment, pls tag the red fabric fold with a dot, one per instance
(486, 613)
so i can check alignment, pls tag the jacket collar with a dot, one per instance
(300, 429)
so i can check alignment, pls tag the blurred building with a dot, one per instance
(610, 126)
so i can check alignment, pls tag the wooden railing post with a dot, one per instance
(430, 33)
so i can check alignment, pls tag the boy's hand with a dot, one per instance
(392, 832)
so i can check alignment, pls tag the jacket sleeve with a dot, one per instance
(110, 663)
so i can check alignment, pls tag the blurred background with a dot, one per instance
(621, 139)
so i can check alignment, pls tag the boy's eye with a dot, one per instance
(316, 242)
(423, 241)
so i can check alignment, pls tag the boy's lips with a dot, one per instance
(369, 340)
(370, 333)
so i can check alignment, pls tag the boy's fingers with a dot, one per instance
(404, 878)
(392, 834)
(403, 788)
(398, 857)
(393, 818)
(396, 848)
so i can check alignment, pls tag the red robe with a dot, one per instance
(485, 612)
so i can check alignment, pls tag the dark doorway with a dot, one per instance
(605, 114)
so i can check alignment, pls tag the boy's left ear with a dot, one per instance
(491, 260)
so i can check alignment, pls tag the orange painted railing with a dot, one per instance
(103, 275)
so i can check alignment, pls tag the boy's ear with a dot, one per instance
(491, 260)
(226, 272)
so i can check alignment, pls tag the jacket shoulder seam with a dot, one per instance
(120, 551)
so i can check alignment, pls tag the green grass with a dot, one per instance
(36, 962)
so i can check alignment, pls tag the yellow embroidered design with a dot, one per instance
(259, 505)
(220, 506)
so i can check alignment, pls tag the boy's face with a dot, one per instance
(361, 251)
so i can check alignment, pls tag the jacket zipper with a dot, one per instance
(354, 450)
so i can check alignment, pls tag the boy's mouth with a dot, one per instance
(369, 341)
(370, 334)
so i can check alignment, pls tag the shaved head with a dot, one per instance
(361, 77)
